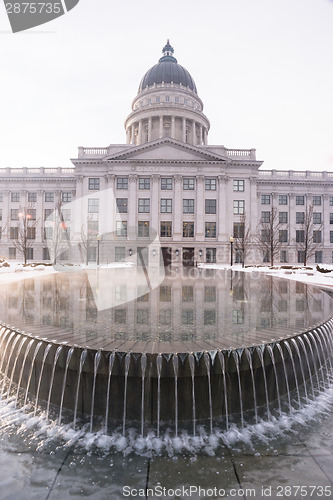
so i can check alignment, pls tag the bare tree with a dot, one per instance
(242, 238)
(269, 238)
(88, 238)
(309, 236)
(23, 233)
(56, 232)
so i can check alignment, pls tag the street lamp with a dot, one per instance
(231, 239)
(177, 252)
(200, 253)
(98, 244)
(130, 252)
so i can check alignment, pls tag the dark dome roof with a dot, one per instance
(167, 70)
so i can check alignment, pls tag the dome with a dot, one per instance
(167, 70)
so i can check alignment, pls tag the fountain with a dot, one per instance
(205, 347)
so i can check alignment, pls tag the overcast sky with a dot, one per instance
(263, 68)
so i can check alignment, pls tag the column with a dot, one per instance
(173, 127)
(154, 204)
(194, 137)
(184, 129)
(201, 137)
(222, 234)
(107, 207)
(177, 209)
(161, 127)
(149, 129)
(200, 209)
(140, 133)
(128, 135)
(132, 207)
(132, 134)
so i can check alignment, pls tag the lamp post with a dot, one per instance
(231, 239)
(98, 244)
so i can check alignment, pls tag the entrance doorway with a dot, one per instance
(166, 256)
(188, 257)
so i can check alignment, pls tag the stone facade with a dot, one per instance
(166, 179)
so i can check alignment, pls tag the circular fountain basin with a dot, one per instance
(203, 345)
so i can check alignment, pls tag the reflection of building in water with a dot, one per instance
(212, 307)
(167, 179)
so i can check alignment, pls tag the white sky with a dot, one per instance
(263, 69)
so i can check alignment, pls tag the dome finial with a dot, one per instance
(168, 53)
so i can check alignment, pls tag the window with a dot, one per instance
(121, 228)
(283, 199)
(14, 233)
(331, 218)
(49, 197)
(318, 257)
(299, 236)
(14, 214)
(93, 206)
(31, 212)
(144, 183)
(166, 206)
(120, 316)
(0, 232)
(283, 256)
(93, 184)
(187, 293)
(210, 229)
(211, 255)
(188, 229)
(31, 233)
(331, 201)
(177, 100)
(331, 236)
(187, 317)
(283, 217)
(143, 228)
(316, 236)
(265, 235)
(66, 197)
(66, 214)
(265, 199)
(299, 200)
(15, 197)
(265, 217)
(142, 316)
(119, 254)
(165, 317)
(300, 256)
(1, 214)
(316, 200)
(167, 98)
(144, 206)
(166, 183)
(210, 206)
(1, 197)
(188, 183)
(48, 214)
(266, 256)
(32, 197)
(239, 206)
(239, 185)
(46, 254)
(210, 184)
(92, 228)
(300, 217)
(283, 236)
(239, 228)
(157, 99)
(210, 294)
(12, 252)
(210, 317)
(122, 182)
(165, 293)
(317, 217)
(48, 233)
(166, 229)
(188, 206)
(122, 205)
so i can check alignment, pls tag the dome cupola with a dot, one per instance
(167, 105)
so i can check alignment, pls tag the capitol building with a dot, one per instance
(166, 185)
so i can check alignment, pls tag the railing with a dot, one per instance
(243, 153)
(293, 174)
(92, 151)
(36, 171)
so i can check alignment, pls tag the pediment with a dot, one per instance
(166, 149)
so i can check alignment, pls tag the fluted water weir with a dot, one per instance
(210, 373)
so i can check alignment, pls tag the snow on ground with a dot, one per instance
(307, 274)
